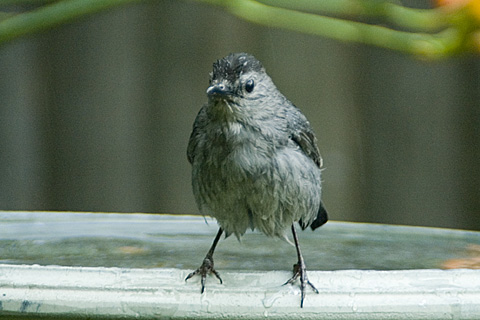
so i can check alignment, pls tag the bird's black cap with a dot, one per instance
(232, 66)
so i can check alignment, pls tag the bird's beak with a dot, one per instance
(219, 90)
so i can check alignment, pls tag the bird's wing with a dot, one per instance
(302, 134)
(194, 136)
(308, 143)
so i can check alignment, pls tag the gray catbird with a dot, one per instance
(255, 160)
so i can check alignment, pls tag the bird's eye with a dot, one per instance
(249, 85)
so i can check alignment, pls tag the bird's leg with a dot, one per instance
(207, 264)
(299, 269)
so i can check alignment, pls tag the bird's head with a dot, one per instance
(240, 86)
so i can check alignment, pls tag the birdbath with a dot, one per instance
(98, 265)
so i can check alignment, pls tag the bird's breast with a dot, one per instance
(245, 179)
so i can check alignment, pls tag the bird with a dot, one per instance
(255, 161)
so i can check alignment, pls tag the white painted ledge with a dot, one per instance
(79, 292)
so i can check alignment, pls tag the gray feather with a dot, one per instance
(255, 160)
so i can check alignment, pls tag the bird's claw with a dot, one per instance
(299, 270)
(203, 270)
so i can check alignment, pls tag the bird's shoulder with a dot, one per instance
(301, 132)
(198, 126)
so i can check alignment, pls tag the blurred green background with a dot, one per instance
(95, 115)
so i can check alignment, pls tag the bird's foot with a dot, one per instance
(299, 270)
(205, 268)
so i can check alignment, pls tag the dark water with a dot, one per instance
(157, 241)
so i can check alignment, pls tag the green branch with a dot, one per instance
(414, 19)
(429, 45)
(49, 16)
(296, 15)
(20, 2)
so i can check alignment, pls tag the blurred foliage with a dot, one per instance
(451, 27)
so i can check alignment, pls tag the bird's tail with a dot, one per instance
(320, 220)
